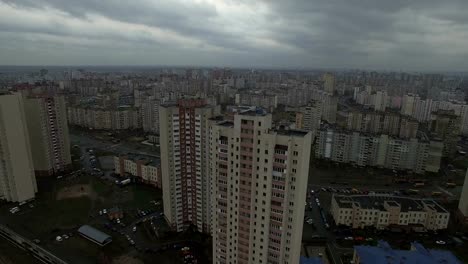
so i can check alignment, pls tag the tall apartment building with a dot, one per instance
(329, 83)
(408, 128)
(446, 125)
(150, 114)
(380, 101)
(329, 108)
(422, 110)
(46, 117)
(185, 184)
(312, 116)
(299, 120)
(463, 204)
(416, 154)
(267, 101)
(105, 118)
(17, 179)
(407, 104)
(259, 178)
(382, 123)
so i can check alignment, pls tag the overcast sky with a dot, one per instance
(381, 34)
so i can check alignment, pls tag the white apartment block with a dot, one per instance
(185, 183)
(259, 180)
(46, 117)
(463, 204)
(329, 83)
(100, 118)
(417, 154)
(17, 179)
(150, 115)
(359, 211)
(147, 169)
(380, 101)
(312, 117)
(268, 101)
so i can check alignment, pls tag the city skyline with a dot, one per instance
(421, 35)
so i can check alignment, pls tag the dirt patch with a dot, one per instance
(125, 259)
(74, 191)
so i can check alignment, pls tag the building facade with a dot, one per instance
(383, 253)
(150, 115)
(359, 211)
(463, 204)
(105, 118)
(146, 169)
(268, 101)
(329, 83)
(17, 179)
(259, 179)
(416, 154)
(46, 118)
(185, 184)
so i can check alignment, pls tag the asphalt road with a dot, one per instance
(314, 211)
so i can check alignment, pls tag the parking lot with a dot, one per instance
(342, 239)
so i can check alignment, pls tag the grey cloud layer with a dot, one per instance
(398, 34)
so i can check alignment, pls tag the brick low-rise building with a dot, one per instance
(358, 211)
(147, 169)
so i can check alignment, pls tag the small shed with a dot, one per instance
(94, 235)
(114, 213)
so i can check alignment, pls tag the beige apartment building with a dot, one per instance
(259, 181)
(150, 114)
(147, 169)
(267, 101)
(105, 118)
(17, 179)
(46, 118)
(463, 204)
(185, 182)
(359, 211)
(329, 83)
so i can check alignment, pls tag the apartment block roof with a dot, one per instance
(377, 202)
(384, 254)
(149, 160)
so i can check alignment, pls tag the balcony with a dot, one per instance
(280, 165)
(246, 135)
(246, 144)
(246, 153)
(246, 170)
(247, 126)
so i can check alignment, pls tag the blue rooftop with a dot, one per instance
(312, 260)
(384, 254)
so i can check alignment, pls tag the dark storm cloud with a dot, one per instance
(417, 34)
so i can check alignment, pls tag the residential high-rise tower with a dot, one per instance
(46, 118)
(259, 178)
(186, 188)
(17, 179)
